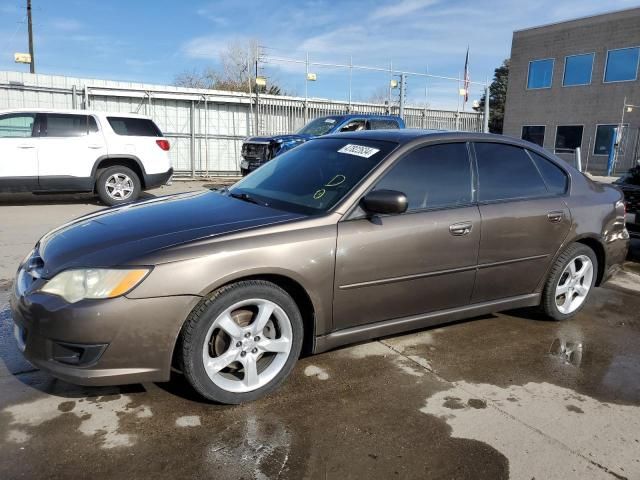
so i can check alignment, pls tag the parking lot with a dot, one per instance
(507, 395)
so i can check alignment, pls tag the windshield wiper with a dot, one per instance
(245, 197)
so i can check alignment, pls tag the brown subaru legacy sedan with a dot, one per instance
(345, 238)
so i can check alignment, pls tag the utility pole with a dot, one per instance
(403, 93)
(32, 65)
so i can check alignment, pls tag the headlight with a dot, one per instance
(94, 283)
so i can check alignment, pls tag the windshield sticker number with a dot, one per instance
(358, 150)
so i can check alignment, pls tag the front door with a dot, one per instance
(18, 152)
(524, 219)
(393, 266)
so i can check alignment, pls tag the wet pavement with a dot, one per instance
(501, 396)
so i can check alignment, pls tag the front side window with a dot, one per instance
(540, 73)
(506, 172)
(534, 134)
(577, 70)
(353, 126)
(314, 176)
(134, 127)
(606, 136)
(568, 137)
(622, 65)
(436, 176)
(17, 125)
(63, 125)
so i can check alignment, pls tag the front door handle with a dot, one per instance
(459, 229)
(26, 145)
(95, 146)
(555, 217)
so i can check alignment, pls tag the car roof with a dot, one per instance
(407, 135)
(71, 111)
(347, 116)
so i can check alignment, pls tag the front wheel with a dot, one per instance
(572, 278)
(241, 342)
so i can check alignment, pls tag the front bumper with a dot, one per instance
(100, 342)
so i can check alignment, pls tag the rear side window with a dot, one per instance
(432, 177)
(134, 127)
(506, 172)
(553, 175)
(382, 124)
(63, 125)
(16, 125)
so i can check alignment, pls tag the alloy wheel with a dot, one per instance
(574, 284)
(119, 186)
(247, 345)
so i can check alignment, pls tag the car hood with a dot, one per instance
(279, 138)
(120, 235)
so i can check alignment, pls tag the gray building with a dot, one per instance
(568, 83)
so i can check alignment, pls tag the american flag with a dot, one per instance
(467, 78)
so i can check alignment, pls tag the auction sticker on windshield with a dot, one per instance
(359, 150)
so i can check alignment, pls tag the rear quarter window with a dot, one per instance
(555, 178)
(383, 124)
(134, 127)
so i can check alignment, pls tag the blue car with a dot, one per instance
(257, 151)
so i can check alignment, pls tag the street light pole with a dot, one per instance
(32, 65)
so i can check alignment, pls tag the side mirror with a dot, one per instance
(385, 201)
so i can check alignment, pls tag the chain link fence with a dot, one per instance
(206, 127)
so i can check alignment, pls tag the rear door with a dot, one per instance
(423, 260)
(70, 144)
(18, 152)
(524, 219)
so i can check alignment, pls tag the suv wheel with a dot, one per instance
(572, 278)
(241, 342)
(118, 184)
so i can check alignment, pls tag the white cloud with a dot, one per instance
(66, 24)
(402, 8)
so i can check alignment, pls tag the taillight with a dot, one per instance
(164, 144)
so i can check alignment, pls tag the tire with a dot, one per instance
(215, 362)
(117, 185)
(562, 306)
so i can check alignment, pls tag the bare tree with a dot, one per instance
(236, 74)
(380, 95)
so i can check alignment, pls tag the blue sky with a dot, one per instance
(153, 41)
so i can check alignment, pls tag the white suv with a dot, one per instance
(114, 155)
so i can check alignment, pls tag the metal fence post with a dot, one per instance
(485, 126)
(192, 145)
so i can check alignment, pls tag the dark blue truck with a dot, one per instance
(257, 151)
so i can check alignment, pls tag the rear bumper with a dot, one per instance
(617, 248)
(152, 180)
(100, 342)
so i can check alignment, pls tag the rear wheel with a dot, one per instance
(572, 278)
(118, 184)
(241, 342)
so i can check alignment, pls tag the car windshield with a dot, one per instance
(313, 177)
(319, 126)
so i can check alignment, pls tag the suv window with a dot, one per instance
(382, 124)
(506, 172)
(134, 127)
(432, 177)
(67, 125)
(553, 175)
(16, 125)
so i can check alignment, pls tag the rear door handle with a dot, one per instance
(459, 229)
(25, 146)
(95, 146)
(555, 217)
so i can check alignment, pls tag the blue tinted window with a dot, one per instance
(540, 73)
(622, 64)
(577, 69)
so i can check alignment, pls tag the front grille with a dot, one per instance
(254, 151)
